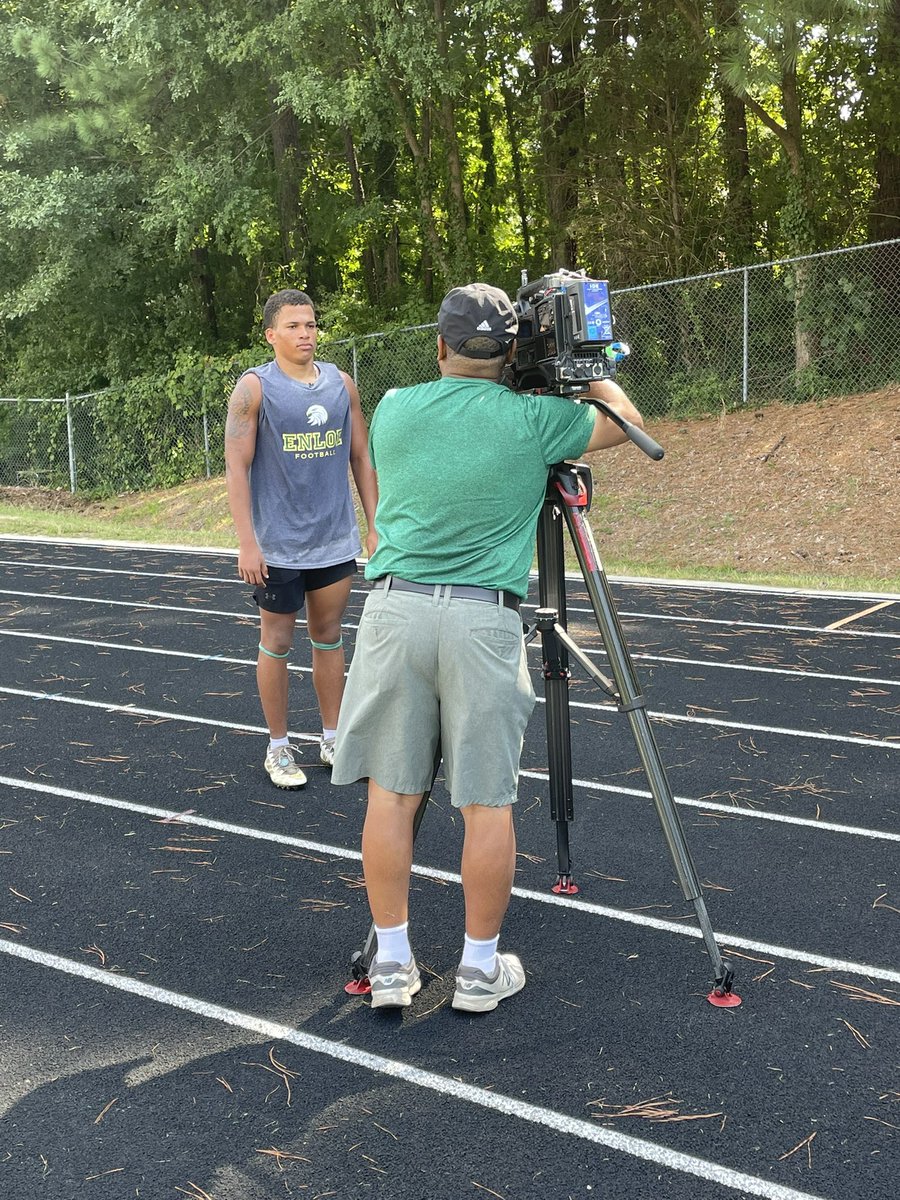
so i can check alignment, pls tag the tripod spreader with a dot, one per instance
(546, 620)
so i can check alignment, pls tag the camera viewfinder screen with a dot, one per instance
(597, 314)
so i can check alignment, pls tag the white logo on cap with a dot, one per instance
(485, 325)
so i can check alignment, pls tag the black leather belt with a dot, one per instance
(456, 591)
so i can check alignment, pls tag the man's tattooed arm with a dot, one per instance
(242, 411)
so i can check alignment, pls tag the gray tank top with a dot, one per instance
(303, 513)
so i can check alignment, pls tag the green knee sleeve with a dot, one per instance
(327, 645)
(271, 654)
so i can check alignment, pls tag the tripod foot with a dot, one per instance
(722, 996)
(359, 985)
(565, 886)
(724, 1000)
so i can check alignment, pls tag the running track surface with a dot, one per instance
(177, 933)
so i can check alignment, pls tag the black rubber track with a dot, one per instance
(229, 1062)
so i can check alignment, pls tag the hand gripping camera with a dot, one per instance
(565, 338)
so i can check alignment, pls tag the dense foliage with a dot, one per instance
(165, 165)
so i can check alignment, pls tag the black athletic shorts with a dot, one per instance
(286, 588)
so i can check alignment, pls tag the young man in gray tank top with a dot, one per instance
(295, 426)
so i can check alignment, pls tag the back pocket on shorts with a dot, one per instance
(500, 643)
(377, 623)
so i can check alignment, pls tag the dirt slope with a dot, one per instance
(811, 488)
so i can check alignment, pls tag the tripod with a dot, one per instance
(568, 498)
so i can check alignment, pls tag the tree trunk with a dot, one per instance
(370, 270)
(562, 105)
(287, 153)
(676, 205)
(420, 149)
(739, 233)
(883, 97)
(515, 150)
(387, 240)
(801, 217)
(431, 249)
(458, 217)
(201, 272)
(485, 208)
(798, 214)
(883, 94)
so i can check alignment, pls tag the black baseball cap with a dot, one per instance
(481, 315)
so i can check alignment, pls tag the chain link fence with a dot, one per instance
(818, 326)
(822, 325)
(84, 443)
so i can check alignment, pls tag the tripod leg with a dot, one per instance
(552, 594)
(361, 960)
(568, 493)
(633, 704)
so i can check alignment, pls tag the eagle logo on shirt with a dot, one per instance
(316, 414)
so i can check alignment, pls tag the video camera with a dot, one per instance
(565, 338)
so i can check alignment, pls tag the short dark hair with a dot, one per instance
(279, 300)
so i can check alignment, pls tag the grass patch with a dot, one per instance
(658, 567)
(199, 516)
(109, 527)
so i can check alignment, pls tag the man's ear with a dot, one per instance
(270, 336)
(511, 352)
(441, 348)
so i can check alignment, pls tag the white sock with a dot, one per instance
(328, 733)
(482, 955)
(277, 743)
(393, 944)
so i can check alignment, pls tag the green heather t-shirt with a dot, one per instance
(462, 473)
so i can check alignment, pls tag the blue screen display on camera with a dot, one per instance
(598, 325)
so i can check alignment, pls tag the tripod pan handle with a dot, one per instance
(643, 440)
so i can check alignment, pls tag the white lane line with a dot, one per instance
(708, 585)
(790, 672)
(73, 641)
(133, 710)
(819, 629)
(141, 574)
(826, 962)
(730, 810)
(591, 785)
(195, 610)
(651, 581)
(59, 698)
(661, 1156)
(685, 620)
(718, 723)
(659, 658)
(110, 544)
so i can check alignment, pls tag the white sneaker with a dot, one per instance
(283, 768)
(326, 751)
(478, 992)
(393, 984)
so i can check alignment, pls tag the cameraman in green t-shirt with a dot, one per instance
(462, 466)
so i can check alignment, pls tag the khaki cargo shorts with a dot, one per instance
(431, 668)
